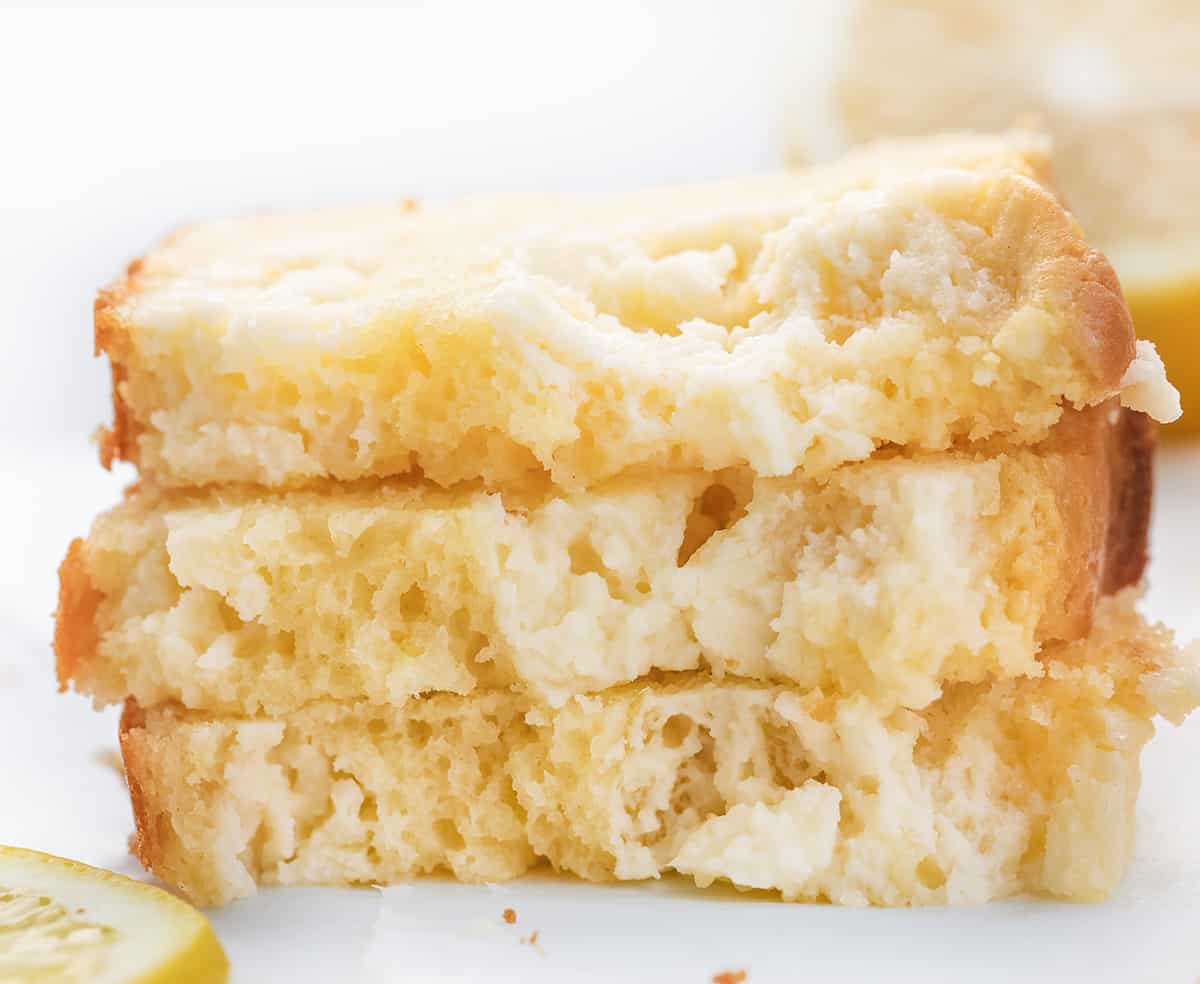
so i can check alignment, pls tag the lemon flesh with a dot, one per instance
(63, 921)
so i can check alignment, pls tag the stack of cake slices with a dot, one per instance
(785, 532)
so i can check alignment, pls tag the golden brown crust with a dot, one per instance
(1104, 497)
(1090, 290)
(144, 843)
(150, 841)
(118, 441)
(115, 441)
(1105, 326)
(1132, 468)
(76, 634)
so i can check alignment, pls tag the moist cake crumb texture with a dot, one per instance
(794, 321)
(996, 788)
(891, 578)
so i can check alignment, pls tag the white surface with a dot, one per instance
(119, 124)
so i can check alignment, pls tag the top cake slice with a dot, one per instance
(914, 294)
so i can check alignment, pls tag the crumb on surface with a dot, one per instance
(510, 916)
(729, 977)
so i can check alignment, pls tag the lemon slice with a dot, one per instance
(63, 922)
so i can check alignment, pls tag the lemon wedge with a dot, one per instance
(63, 922)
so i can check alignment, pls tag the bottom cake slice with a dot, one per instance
(996, 788)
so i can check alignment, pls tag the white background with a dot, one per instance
(117, 125)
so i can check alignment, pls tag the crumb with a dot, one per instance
(729, 977)
(532, 940)
(510, 916)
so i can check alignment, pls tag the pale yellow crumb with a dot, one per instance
(891, 579)
(996, 788)
(912, 294)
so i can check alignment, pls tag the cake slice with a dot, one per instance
(914, 294)
(891, 578)
(997, 787)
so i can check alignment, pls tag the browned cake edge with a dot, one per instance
(152, 826)
(76, 634)
(1132, 481)
(1105, 326)
(119, 441)
(1104, 496)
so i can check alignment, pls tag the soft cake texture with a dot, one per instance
(995, 788)
(776, 532)
(913, 295)
(893, 577)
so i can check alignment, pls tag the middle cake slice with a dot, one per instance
(891, 578)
